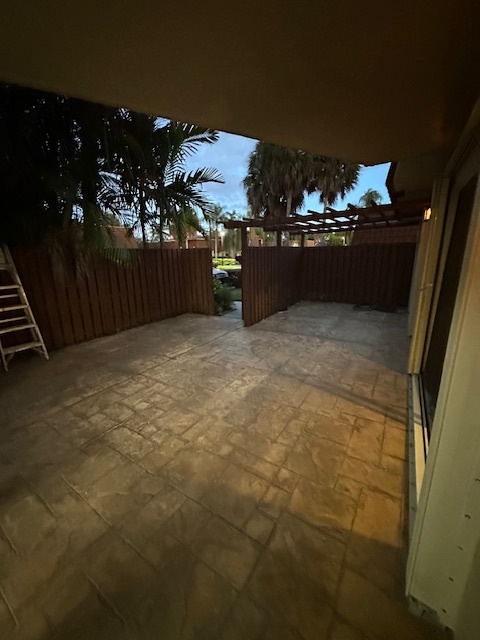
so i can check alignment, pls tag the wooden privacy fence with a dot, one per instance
(274, 277)
(158, 284)
(270, 279)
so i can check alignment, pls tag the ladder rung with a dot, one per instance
(17, 327)
(14, 296)
(16, 319)
(22, 347)
(14, 307)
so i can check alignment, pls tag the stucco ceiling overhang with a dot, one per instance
(367, 81)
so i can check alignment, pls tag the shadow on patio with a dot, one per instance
(196, 479)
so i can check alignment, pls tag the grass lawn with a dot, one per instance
(236, 295)
(226, 263)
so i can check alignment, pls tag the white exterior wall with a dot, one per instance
(443, 569)
(428, 252)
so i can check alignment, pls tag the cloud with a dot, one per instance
(230, 156)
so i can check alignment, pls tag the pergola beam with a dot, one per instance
(378, 216)
(333, 226)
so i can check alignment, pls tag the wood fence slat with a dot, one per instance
(109, 298)
(59, 286)
(337, 274)
(136, 266)
(85, 307)
(206, 284)
(184, 256)
(271, 289)
(384, 291)
(362, 274)
(195, 262)
(168, 283)
(378, 263)
(354, 275)
(178, 306)
(190, 293)
(254, 276)
(39, 297)
(247, 293)
(347, 275)
(365, 253)
(115, 296)
(74, 303)
(106, 310)
(123, 297)
(262, 279)
(152, 283)
(129, 293)
(94, 300)
(144, 285)
(160, 283)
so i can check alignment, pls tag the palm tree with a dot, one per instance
(68, 165)
(232, 239)
(370, 197)
(214, 217)
(276, 180)
(155, 184)
(176, 189)
(58, 188)
(332, 178)
(185, 222)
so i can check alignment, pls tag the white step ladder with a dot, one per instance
(15, 312)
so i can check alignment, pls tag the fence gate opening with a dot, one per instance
(374, 273)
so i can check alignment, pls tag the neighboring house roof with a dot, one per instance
(123, 238)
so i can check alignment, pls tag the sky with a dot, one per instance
(230, 156)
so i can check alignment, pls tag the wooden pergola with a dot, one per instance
(398, 214)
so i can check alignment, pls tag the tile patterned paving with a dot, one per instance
(193, 479)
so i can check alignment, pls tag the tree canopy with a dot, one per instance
(332, 178)
(370, 197)
(278, 178)
(68, 166)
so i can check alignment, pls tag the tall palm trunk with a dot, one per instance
(143, 216)
(161, 222)
(289, 204)
(288, 212)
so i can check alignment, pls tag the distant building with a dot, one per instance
(123, 238)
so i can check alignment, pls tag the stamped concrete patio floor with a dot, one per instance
(196, 479)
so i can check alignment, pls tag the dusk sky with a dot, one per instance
(230, 156)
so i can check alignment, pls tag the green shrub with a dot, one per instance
(236, 295)
(222, 296)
